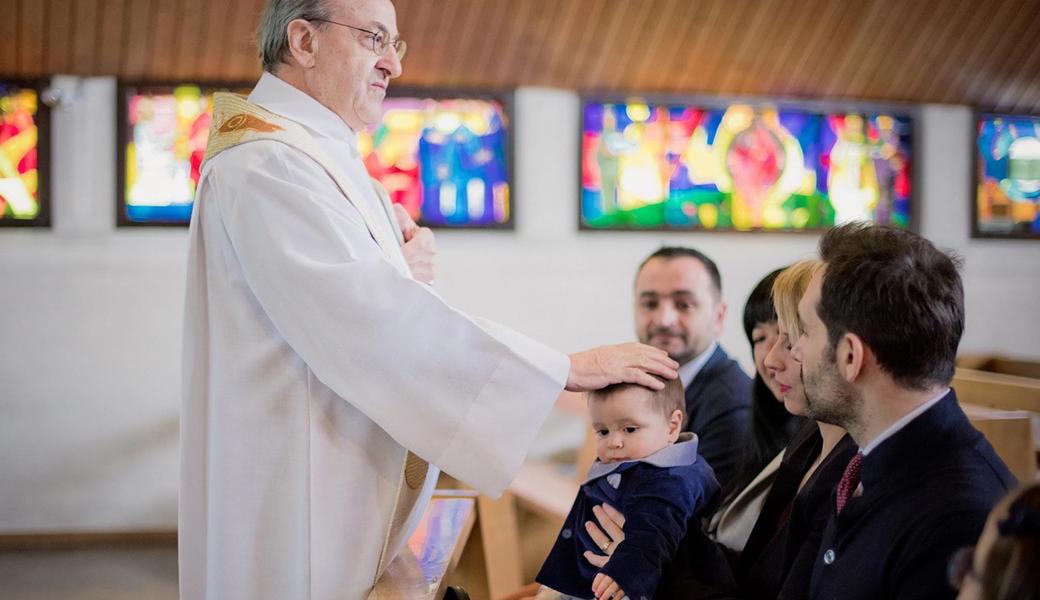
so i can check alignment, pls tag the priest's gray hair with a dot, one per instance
(271, 36)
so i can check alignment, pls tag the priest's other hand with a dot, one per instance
(624, 363)
(420, 247)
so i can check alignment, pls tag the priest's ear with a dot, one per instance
(301, 35)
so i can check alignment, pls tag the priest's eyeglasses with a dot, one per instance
(380, 40)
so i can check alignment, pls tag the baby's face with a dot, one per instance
(629, 427)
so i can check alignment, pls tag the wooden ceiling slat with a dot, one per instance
(496, 28)
(1006, 86)
(937, 51)
(763, 15)
(875, 69)
(665, 29)
(548, 33)
(86, 15)
(1028, 100)
(853, 50)
(630, 44)
(691, 47)
(818, 53)
(609, 52)
(138, 46)
(166, 14)
(907, 81)
(777, 38)
(109, 43)
(723, 42)
(212, 51)
(413, 20)
(439, 20)
(956, 55)
(738, 18)
(791, 42)
(242, 63)
(504, 73)
(467, 46)
(586, 45)
(189, 31)
(1025, 60)
(457, 46)
(1007, 45)
(29, 61)
(9, 36)
(58, 47)
(972, 68)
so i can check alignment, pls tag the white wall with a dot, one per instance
(89, 331)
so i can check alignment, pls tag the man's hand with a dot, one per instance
(419, 249)
(606, 588)
(623, 363)
(607, 538)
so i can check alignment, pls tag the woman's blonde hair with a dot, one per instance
(788, 290)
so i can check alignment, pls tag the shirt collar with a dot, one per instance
(688, 372)
(901, 423)
(287, 101)
(680, 454)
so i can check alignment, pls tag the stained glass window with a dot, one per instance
(445, 160)
(741, 167)
(1007, 201)
(166, 129)
(22, 138)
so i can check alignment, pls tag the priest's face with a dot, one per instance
(352, 73)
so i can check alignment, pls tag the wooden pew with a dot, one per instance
(1011, 435)
(1000, 365)
(425, 567)
(997, 390)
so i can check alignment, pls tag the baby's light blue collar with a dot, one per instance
(680, 454)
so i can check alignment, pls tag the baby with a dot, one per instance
(650, 472)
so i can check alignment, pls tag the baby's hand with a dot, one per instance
(606, 588)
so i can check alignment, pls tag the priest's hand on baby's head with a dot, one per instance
(623, 363)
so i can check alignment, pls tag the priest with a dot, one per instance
(325, 381)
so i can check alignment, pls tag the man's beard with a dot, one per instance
(682, 356)
(829, 398)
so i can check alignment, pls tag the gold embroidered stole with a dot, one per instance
(238, 121)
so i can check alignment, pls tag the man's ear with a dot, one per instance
(675, 425)
(302, 42)
(851, 356)
(720, 317)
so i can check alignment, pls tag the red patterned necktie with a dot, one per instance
(849, 481)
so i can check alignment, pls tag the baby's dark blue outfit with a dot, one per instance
(661, 496)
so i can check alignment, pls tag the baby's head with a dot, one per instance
(632, 422)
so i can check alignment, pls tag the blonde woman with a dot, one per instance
(777, 560)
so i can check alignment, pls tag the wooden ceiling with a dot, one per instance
(946, 51)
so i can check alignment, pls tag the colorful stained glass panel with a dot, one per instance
(741, 167)
(20, 176)
(167, 131)
(1007, 201)
(444, 160)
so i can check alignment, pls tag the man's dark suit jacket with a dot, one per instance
(926, 493)
(718, 410)
(778, 558)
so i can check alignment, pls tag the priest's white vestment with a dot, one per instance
(313, 363)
